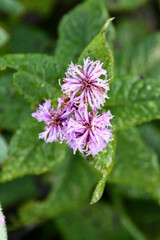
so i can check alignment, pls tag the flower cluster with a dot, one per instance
(76, 118)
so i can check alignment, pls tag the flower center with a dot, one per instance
(86, 83)
(88, 126)
(56, 118)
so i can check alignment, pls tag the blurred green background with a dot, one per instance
(55, 204)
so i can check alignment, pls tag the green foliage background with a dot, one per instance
(47, 192)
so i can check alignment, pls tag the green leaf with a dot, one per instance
(98, 49)
(136, 165)
(3, 149)
(29, 155)
(3, 233)
(40, 65)
(99, 189)
(13, 109)
(124, 5)
(73, 182)
(37, 76)
(78, 28)
(34, 89)
(11, 6)
(133, 101)
(103, 163)
(92, 223)
(4, 36)
(139, 58)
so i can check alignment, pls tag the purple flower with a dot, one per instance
(88, 132)
(55, 120)
(87, 84)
